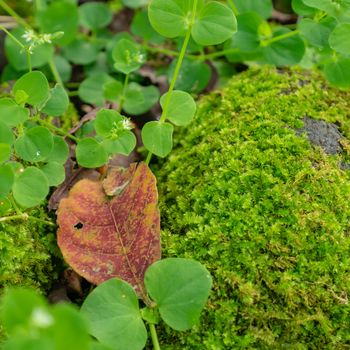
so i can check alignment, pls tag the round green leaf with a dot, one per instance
(11, 113)
(30, 187)
(54, 172)
(6, 134)
(59, 152)
(90, 153)
(81, 52)
(124, 144)
(181, 108)
(17, 308)
(112, 90)
(139, 99)
(91, 89)
(105, 120)
(127, 56)
(35, 144)
(338, 72)
(158, 138)
(94, 15)
(301, 9)
(19, 59)
(142, 28)
(194, 75)
(112, 310)
(247, 36)
(35, 86)
(285, 52)
(70, 328)
(215, 24)
(60, 16)
(58, 102)
(262, 7)
(339, 9)
(170, 18)
(190, 283)
(5, 152)
(316, 33)
(339, 40)
(7, 177)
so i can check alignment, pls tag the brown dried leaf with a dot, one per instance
(111, 228)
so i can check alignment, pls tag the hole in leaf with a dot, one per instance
(78, 226)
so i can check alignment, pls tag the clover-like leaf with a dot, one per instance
(181, 108)
(35, 144)
(262, 7)
(112, 310)
(35, 86)
(339, 39)
(338, 72)
(123, 144)
(6, 134)
(94, 15)
(5, 152)
(7, 177)
(111, 228)
(59, 152)
(11, 113)
(127, 56)
(54, 172)
(158, 138)
(90, 153)
(215, 24)
(180, 287)
(58, 102)
(30, 187)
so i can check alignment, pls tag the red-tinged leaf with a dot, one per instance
(112, 228)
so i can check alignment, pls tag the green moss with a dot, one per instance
(266, 212)
(27, 253)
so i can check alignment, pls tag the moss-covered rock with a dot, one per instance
(247, 194)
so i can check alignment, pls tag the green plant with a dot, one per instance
(111, 312)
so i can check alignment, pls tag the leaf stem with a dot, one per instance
(14, 15)
(55, 129)
(55, 72)
(233, 6)
(14, 205)
(25, 216)
(279, 37)
(122, 97)
(176, 71)
(154, 336)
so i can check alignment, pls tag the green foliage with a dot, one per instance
(265, 211)
(113, 312)
(33, 324)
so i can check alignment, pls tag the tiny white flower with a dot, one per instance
(29, 35)
(127, 125)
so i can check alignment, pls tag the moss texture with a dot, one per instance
(27, 253)
(266, 212)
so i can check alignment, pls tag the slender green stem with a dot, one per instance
(122, 98)
(55, 129)
(73, 93)
(160, 50)
(14, 205)
(20, 45)
(233, 6)
(213, 55)
(154, 336)
(12, 37)
(176, 72)
(55, 72)
(279, 37)
(13, 14)
(25, 216)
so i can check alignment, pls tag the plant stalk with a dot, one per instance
(25, 216)
(233, 7)
(14, 15)
(176, 72)
(154, 336)
(122, 98)
(279, 37)
(55, 72)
